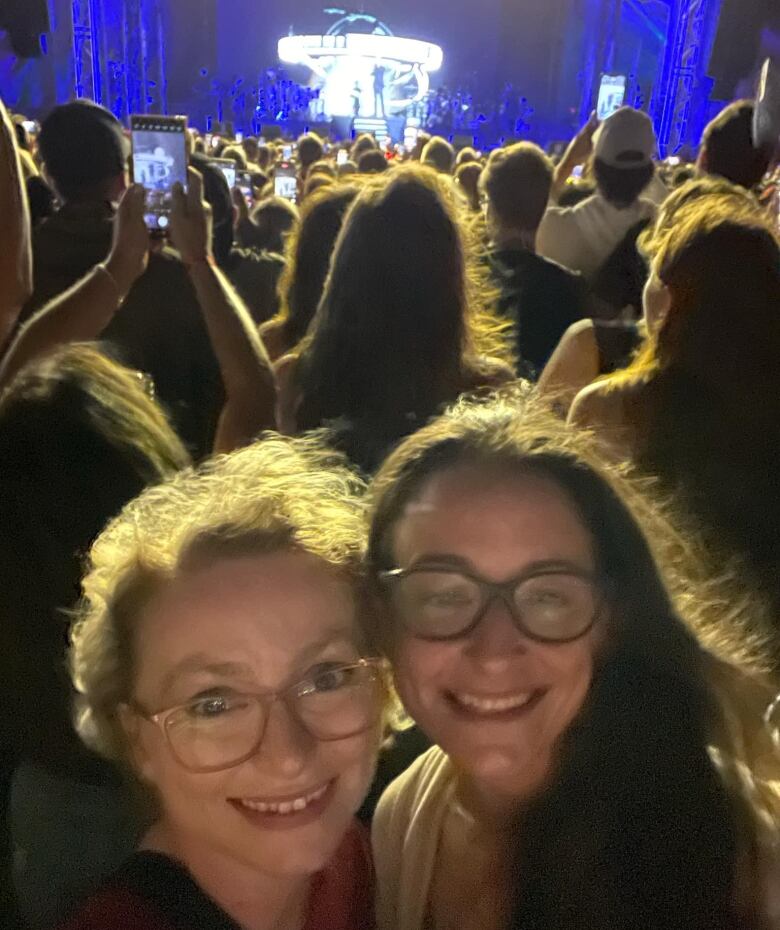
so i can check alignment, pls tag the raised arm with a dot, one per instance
(82, 312)
(246, 370)
(15, 250)
(578, 152)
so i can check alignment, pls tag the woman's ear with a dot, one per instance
(131, 724)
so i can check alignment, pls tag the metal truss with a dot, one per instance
(681, 95)
(86, 54)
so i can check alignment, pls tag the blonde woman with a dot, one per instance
(221, 657)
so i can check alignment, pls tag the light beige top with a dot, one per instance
(405, 837)
(406, 833)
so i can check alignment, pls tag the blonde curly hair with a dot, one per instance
(279, 493)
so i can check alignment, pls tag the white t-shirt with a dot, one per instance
(584, 236)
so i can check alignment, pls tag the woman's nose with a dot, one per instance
(496, 638)
(287, 745)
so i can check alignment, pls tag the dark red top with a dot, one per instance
(154, 892)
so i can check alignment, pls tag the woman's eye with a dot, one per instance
(211, 706)
(446, 599)
(331, 677)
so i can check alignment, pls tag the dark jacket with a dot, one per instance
(541, 298)
(159, 329)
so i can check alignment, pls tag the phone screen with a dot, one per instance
(228, 169)
(287, 152)
(343, 157)
(612, 93)
(285, 182)
(244, 183)
(159, 160)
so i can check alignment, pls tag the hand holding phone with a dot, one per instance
(159, 162)
(130, 247)
(191, 223)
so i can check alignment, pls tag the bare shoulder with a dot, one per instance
(603, 408)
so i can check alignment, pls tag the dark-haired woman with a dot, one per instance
(309, 249)
(595, 766)
(700, 406)
(398, 333)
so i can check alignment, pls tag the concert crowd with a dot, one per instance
(390, 537)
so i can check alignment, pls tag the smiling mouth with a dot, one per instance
(508, 705)
(286, 806)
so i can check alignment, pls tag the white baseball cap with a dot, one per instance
(626, 139)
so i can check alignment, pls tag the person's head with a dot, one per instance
(516, 182)
(534, 639)
(714, 291)
(466, 155)
(79, 437)
(237, 155)
(439, 155)
(264, 157)
(365, 142)
(372, 162)
(624, 147)
(219, 654)
(310, 149)
(727, 148)
(324, 168)
(309, 252)
(723, 200)
(251, 148)
(84, 152)
(347, 167)
(273, 218)
(315, 182)
(217, 194)
(423, 138)
(467, 177)
(396, 320)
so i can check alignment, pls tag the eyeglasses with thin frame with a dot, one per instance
(222, 728)
(441, 602)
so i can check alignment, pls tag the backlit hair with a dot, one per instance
(277, 494)
(669, 748)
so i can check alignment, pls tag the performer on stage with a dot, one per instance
(379, 89)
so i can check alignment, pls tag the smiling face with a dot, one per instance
(252, 624)
(495, 701)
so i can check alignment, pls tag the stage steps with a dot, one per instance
(375, 125)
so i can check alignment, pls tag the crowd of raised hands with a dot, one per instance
(402, 554)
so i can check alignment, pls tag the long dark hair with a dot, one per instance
(79, 437)
(309, 251)
(640, 827)
(395, 327)
(707, 418)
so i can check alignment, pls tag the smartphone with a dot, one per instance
(766, 115)
(287, 152)
(612, 93)
(228, 168)
(577, 171)
(31, 126)
(342, 157)
(244, 184)
(159, 161)
(286, 182)
(239, 137)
